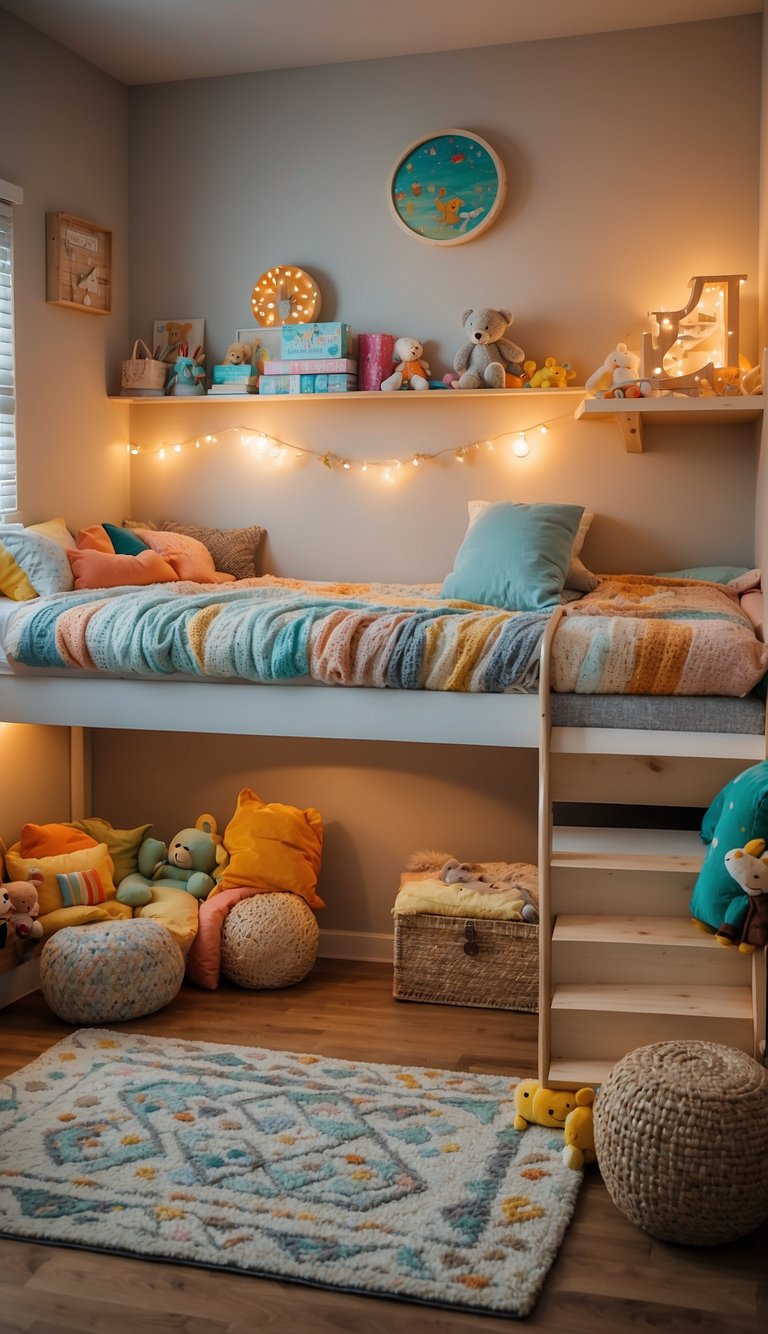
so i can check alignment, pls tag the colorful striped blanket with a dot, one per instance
(269, 630)
(633, 635)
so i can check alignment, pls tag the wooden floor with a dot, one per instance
(608, 1278)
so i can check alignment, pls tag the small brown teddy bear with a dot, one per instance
(238, 354)
(25, 909)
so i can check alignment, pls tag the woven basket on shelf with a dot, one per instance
(143, 372)
(458, 961)
(681, 1136)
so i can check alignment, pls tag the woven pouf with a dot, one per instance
(269, 940)
(681, 1137)
(109, 971)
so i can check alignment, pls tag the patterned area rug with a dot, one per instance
(386, 1180)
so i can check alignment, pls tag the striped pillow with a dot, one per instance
(80, 887)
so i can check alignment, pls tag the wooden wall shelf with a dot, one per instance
(408, 396)
(631, 415)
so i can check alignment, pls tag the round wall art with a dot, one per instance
(448, 188)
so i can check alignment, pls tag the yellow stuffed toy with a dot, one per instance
(578, 1132)
(535, 1105)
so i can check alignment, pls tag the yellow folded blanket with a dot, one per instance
(434, 896)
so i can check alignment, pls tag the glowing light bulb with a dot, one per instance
(209, 438)
(364, 468)
(489, 444)
(415, 461)
(177, 449)
(459, 456)
(387, 474)
(347, 467)
(197, 444)
(521, 447)
(161, 454)
(134, 449)
(544, 430)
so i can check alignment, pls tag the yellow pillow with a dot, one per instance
(177, 910)
(49, 894)
(123, 844)
(13, 581)
(273, 847)
(57, 530)
(81, 914)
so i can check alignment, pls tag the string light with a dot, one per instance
(268, 448)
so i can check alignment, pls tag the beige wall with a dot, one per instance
(65, 144)
(34, 777)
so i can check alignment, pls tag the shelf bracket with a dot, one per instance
(631, 426)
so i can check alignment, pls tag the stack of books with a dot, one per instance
(234, 380)
(314, 361)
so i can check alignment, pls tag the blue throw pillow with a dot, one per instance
(715, 574)
(124, 542)
(515, 556)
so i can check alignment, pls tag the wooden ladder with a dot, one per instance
(621, 963)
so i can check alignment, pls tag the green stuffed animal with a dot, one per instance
(190, 862)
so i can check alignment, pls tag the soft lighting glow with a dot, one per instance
(161, 454)
(521, 448)
(177, 449)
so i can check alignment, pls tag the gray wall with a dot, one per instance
(65, 142)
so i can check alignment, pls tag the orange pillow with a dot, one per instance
(273, 847)
(189, 558)
(47, 840)
(105, 569)
(95, 538)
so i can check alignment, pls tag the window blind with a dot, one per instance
(8, 490)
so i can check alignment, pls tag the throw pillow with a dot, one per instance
(124, 542)
(515, 557)
(42, 560)
(234, 550)
(273, 847)
(105, 569)
(57, 530)
(80, 887)
(123, 844)
(49, 892)
(48, 840)
(577, 575)
(190, 558)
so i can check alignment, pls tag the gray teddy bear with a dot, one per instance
(486, 357)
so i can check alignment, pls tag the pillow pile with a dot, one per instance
(515, 556)
(33, 560)
(110, 556)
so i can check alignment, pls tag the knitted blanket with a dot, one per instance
(639, 635)
(270, 630)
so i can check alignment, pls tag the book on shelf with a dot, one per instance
(242, 389)
(319, 366)
(307, 384)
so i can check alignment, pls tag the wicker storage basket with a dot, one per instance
(457, 961)
(143, 372)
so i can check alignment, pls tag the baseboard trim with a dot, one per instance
(369, 946)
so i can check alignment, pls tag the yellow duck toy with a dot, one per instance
(536, 1105)
(578, 1132)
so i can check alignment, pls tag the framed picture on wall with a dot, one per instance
(78, 264)
(179, 338)
(448, 188)
(267, 344)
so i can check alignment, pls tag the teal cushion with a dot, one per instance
(515, 556)
(738, 813)
(125, 542)
(716, 574)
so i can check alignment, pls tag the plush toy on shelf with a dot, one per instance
(238, 354)
(411, 370)
(746, 922)
(5, 909)
(619, 376)
(579, 1132)
(552, 375)
(25, 908)
(187, 378)
(536, 1105)
(192, 862)
(488, 356)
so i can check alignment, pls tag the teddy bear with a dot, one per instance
(411, 369)
(552, 375)
(536, 1105)
(619, 376)
(238, 354)
(579, 1132)
(487, 356)
(746, 923)
(25, 908)
(190, 862)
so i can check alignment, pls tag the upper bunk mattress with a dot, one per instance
(633, 635)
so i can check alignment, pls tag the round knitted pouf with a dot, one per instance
(681, 1137)
(108, 971)
(269, 940)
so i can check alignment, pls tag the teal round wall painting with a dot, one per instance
(448, 188)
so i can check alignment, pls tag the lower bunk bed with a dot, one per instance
(637, 694)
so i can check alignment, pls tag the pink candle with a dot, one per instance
(375, 353)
